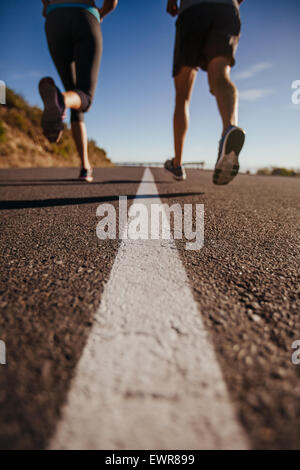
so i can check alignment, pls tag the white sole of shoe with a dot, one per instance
(228, 166)
(179, 178)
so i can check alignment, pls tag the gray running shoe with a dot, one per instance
(86, 175)
(227, 166)
(178, 172)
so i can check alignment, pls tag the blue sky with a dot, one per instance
(133, 107)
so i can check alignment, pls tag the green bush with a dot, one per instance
(263, 171)
(277, 171)
(282, 172)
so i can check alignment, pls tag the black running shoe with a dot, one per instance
(227, 166)
(178, 172)
(54, 110)
(86, 175)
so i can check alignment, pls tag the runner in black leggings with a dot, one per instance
(75, 43)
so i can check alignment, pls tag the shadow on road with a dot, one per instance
(67, 182)
(8, 205)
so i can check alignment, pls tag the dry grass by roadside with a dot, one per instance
(22, 144)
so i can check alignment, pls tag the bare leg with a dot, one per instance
(224, 90)
(184, 83)
(80, 137)
(72, 100)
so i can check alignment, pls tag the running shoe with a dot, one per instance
(86, 175)
(54, 110)
(178, 172)
(230, 146)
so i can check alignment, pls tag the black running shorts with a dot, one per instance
(206, 31)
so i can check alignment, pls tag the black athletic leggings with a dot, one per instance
(75, 43)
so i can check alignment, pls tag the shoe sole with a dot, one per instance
(52, 123)
(88, 179)
(228, 165)
(179, 178)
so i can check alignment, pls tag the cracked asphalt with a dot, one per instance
(245, 281)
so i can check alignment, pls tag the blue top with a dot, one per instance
(91, 9)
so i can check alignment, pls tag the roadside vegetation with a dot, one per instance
(278, 171)
(22, 143)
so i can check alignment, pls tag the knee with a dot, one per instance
(86, 101)
(88, 104)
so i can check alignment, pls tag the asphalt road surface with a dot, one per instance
(124, 344)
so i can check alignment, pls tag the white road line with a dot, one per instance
(148, 377)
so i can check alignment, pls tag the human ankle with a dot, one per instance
(176, 164)
(225, 128)
(86, 167)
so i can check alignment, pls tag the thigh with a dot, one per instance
(224, 35)
(60, 43)
(192, 28)
(87, 51)
(218, 68)
(227, 21)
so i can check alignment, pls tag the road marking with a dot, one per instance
(148, 377)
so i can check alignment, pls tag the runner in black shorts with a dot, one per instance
(207, 35)
(75, 43)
